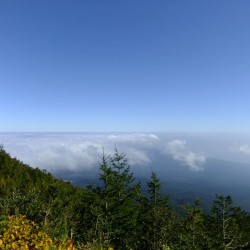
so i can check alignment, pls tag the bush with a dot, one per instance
(20, 233)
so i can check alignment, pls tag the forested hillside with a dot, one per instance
(39, 211)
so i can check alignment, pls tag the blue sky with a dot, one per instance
(125, 65)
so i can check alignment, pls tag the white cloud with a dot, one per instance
(80, 151)
(179, 151)
(138, 138)
(245, 149)
(75, 151)
(137, 157)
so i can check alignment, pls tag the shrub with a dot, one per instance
(21, 233)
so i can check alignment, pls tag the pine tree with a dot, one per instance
(156, 217)
(225, 225)
(193, 233)
(115, 204)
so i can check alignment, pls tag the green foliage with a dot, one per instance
(39, 211)
(37, 195)
(112, 208)
(29, 204)
(225, 224)
(155, 217)
(14, 175)
(193, 231)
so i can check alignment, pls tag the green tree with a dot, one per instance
(28, 204)
(155, 217)
(193, 231)
(112, 208)
(225, 225)
(119, 195)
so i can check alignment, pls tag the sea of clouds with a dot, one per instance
(80, 151)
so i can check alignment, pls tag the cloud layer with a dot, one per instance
(76, 151)
(179, 151)
(245, 149)
(82, 151)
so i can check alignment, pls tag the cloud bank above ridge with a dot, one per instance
(82, 151)
(76, 152)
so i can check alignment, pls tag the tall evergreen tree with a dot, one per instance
(115, 203)
(156, 217)
(225, 229)
(193, 233)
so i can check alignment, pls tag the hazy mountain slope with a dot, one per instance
(182, 184)
(217, 177)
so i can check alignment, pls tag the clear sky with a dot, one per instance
(134, 65)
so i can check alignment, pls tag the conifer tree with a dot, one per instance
(156, 216)
(193, 233)
(225, 227)
(115, 203)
